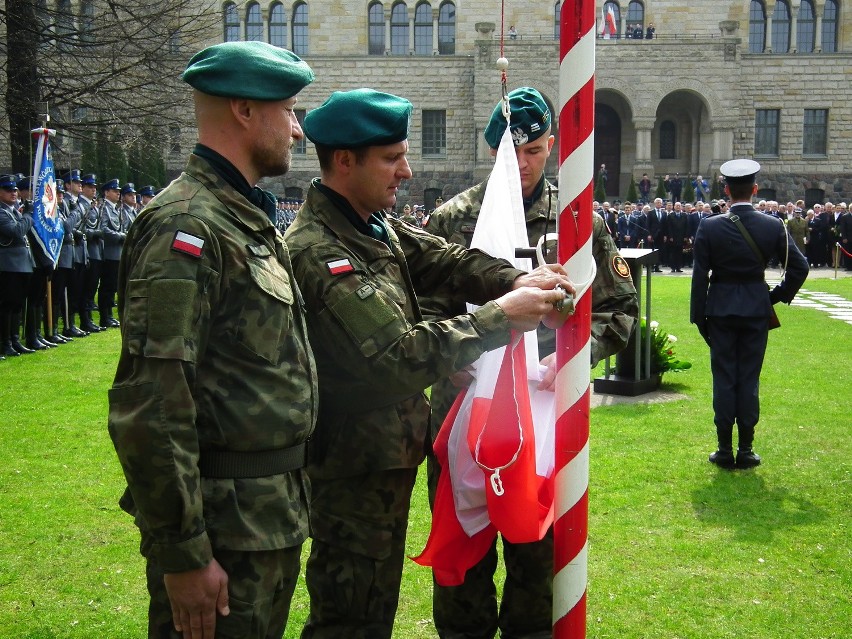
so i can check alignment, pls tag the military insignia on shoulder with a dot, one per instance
(339, 267)
(188, 244)
(619, 265)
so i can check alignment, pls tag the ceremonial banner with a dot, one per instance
(47, 227)
(496, 446)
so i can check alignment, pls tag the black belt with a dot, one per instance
(734, 279)
(231, 464)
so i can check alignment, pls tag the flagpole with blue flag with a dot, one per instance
(48, 230)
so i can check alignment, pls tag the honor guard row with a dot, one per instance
(94, 233)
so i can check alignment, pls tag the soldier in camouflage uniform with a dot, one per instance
(215, 392)
(361, 274)
(470, 610)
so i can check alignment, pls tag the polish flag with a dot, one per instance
(608, 26)
(496, 446)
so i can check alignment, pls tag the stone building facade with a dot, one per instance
(766, 79)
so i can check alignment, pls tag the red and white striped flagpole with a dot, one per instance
(576, 166)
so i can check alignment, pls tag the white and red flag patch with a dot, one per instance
(189, 244)
(338, 267)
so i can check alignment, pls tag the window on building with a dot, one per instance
(557, 19)
(781, 27)
(668, 140)
(815, 132)
(423, 29)
(87, 21)
(277, 25)
(300, 28)
(829, 27)
(66, 27)
(766, 126)
(232, 22)
(805, 27)
(376, 29)
(434, 133)
(254, 22)
(814, 196)
(636, 13)
(301, 146)
(756, 27)
(174, 139)
(447, 29)
(399, 29)
(616, 12)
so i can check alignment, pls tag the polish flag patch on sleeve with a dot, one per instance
(338, 267)
(188, 244)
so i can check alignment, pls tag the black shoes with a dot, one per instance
(747, 459)
(723, 459)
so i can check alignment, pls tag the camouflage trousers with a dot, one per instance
(260, 587)
(358, 527)
(470, 611)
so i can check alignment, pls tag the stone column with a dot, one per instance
(387, 29)
(818, 34)
(723, 144)
(794, 32)
(767, 46)
(435, 12)
(411, 31)
(644, 163)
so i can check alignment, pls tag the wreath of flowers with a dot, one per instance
(663, 358)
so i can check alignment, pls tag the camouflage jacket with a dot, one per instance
(615, 306)
(375, 354)
(214, 357)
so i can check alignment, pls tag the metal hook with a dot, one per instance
(497, 483)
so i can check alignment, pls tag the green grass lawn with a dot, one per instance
(678, 548)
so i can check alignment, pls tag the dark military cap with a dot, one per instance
(72, 176)
(24, 184)
(250, 70)
(111, 185)
(359, 118)
(60, 186)
(147, 191)
(8, 182)
(90, 179)
(128, 188)
(739, 171)
(530, 118)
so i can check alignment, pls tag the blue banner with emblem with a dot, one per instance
(47, 225)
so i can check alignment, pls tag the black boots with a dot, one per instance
(5, 336)
(724, 457)
(746, 457)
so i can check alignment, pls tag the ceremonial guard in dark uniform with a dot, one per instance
(43, 268)
(63, 272)
(16, 266)
(128, 207)
(732, 306)
(73, 209)
(91, 222)
(146, 193)
(113, 230)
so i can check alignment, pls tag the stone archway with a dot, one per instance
(682, 138)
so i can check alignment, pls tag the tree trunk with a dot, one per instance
(22, 90)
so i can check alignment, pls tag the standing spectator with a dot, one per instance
(513, 33)
(636, 222)
(844, 226)
(675, 228)
(603, 176)
(644, 189)
(674, 186)
(732, 308)
(655, 238)
(702, 189)
(650, 32)
(361, 275)
(798, 228)
(215, 391)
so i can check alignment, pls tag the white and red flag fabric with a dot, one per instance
(496, 446)
(608, 26)
(47, 226)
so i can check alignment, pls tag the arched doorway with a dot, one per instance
(608, 146)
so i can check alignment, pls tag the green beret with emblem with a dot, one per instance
(250, 70)
(530, 118)
(359, 118)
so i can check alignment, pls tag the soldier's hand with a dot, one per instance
(462, 379)
(545, 277)
(526, 307)
(548, 380)
(196, 597)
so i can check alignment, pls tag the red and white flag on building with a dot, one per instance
(496, 446)
(608, 26)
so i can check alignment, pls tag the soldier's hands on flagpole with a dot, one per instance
(463, 378)
(547, 277)
(526, 307)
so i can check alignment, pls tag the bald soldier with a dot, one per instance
(361, 275)
(215, 392)
(470, 610)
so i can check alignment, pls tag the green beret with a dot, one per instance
(530, 118)
(250, 70)
(359, 118)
